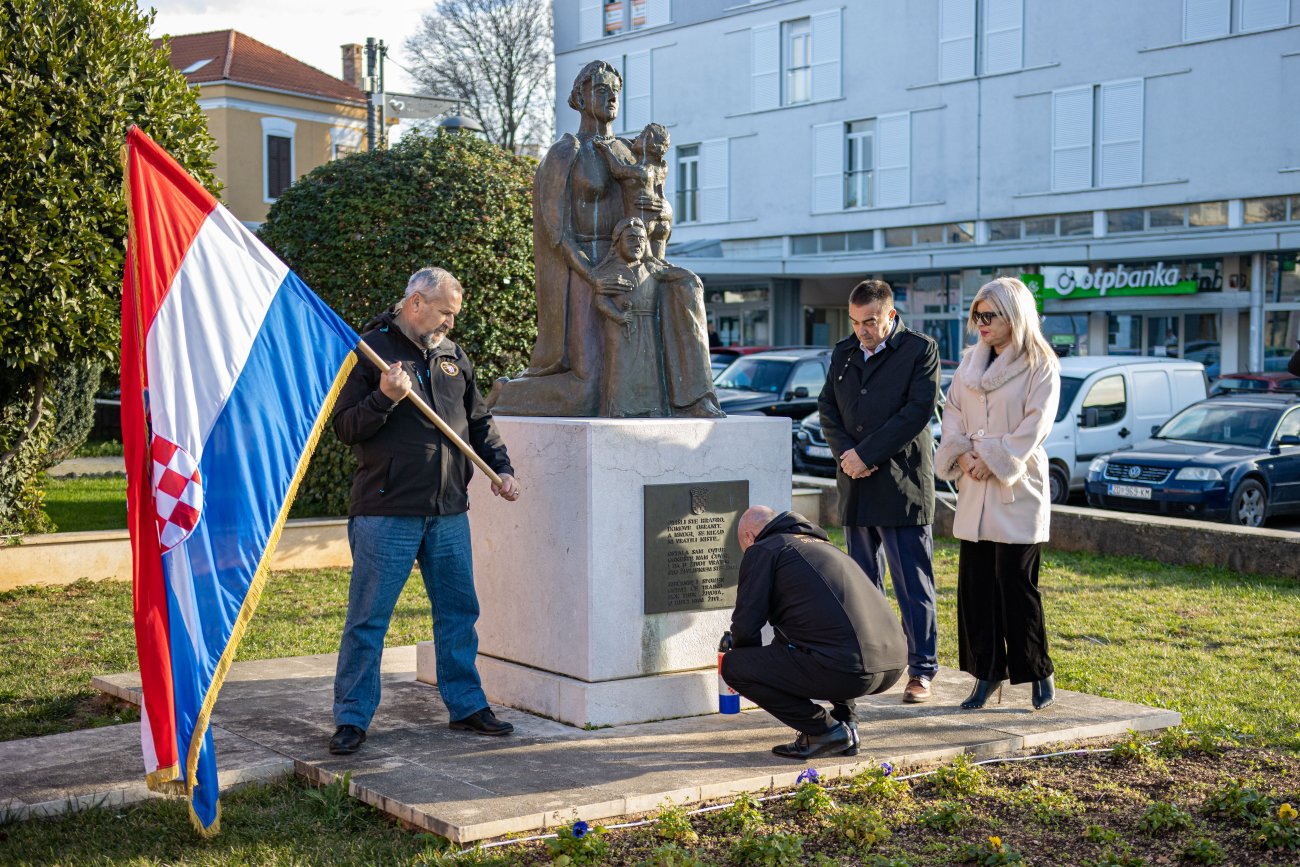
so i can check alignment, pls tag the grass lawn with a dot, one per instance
(1217, 646)
(86, 503)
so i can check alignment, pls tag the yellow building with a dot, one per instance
(274, 118)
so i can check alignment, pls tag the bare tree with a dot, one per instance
(495, 55)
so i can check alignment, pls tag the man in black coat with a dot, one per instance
(410, 504)
(835, 637)
(876, 407)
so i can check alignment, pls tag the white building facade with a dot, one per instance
(1137, 163)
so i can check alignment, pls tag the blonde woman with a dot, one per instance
(1001, 405)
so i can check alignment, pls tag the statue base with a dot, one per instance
(560, 573)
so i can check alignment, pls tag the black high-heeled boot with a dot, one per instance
(1044, 692)
(979, 696)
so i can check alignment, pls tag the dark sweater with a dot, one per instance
(816, 598)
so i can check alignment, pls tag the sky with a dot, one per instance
(309, 30)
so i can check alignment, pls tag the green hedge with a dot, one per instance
(355, 229)
(74, 75)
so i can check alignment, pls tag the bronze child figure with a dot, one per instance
(642, 183)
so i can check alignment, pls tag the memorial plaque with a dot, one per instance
(692, 555)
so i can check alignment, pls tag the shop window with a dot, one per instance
(1106, 402)
(1124, 335)
(1281, 278)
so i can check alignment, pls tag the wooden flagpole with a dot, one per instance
(433, 417)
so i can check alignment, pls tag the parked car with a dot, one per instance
(1233, 458)
(780, 382)
(1255, 383)
(1107, 404)
(720, 357)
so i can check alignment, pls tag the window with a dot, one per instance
(688, 184)
(898, 237)
(1171, 217)
(861, 164)
(1097, 133)
(344, 142)
(939, 233)
(1046, 226)
(1106, 402)
(810, 375)
(832, 242)
(597, 18)
(1208, 19)
(980, 38)
(796, 61)
(1275, 209)
(277, 157)
(1290, 425)
(703, 181)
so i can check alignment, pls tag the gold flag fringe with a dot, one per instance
(251, 599)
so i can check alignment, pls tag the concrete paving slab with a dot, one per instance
(547, 774)
(102, 767)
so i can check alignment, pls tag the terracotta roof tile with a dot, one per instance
(228, 55)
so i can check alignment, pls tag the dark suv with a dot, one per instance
(781, 382)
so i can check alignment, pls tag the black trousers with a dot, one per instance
(783, 682)
(1000, 629)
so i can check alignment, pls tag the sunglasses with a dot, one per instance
(984, 318)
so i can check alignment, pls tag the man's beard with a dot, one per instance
(433, 339)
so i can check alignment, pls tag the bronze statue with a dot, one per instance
(587, 185)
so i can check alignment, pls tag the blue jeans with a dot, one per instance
(909, 552)
(384, 548)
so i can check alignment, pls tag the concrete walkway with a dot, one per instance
(274, 713)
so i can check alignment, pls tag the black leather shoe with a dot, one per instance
(1043, 692)
(482, 722)
(979, 696)
(347, 740)
(838, 741)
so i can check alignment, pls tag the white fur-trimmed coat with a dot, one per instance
(1003, 412)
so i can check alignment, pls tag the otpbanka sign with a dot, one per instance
(1078, 282)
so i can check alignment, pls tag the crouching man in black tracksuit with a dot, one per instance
(836, 638)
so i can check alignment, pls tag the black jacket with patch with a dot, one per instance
(882, 407)
(405, 466)
(816, 598)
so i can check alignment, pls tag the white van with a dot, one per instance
(1111, 402)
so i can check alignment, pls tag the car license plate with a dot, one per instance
(1134, 491)
(819, 452)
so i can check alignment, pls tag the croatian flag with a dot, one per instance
(230, 366)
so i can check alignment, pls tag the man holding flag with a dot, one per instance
(410, 504)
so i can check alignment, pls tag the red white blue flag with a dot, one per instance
(230, 366)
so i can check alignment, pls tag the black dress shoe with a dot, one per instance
(979, 696)
(1043, 693)
(837, 741)
(482, 722)
(347, 740)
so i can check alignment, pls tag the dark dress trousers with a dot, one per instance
(836, 637)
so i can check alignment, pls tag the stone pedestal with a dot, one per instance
(560, 572)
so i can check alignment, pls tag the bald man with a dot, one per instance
(835, 639)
